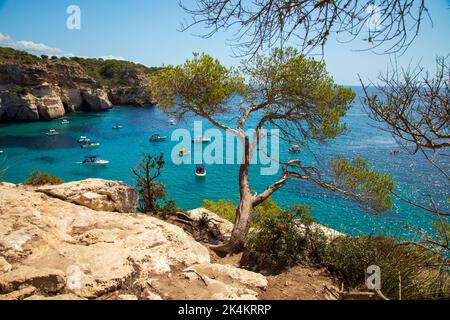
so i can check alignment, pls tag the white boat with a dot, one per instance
(172, 122)
(200, 171)
(295, 148)
(94, 160)
(52, 132)
(65, 121)
(157, 138)
(201, 140)
(117, 126)
(90, 145)
(83, 139)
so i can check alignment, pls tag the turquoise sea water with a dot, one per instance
(26, 147)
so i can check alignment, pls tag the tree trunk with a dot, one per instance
(244, 209)
(242, 224)
(246, 204)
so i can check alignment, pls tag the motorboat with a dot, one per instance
(90, 145)
(183, 152)
(94, 160)
(172, 122)
(200, 171)
(157, 138)
(52, 132)
(295, 148)
(394, 152)
(117, 126)
(201, 140)
(83, 139)
(65, 121)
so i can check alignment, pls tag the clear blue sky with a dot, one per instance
(145, 31)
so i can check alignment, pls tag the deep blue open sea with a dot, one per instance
(26, 147)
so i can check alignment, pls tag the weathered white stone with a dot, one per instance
(4, 266)
(96, 99)
(227, 272)
(96, 194)
(64, 297)
(19, 294)
(127, 297)
(59, 247)
(225, 227)
(44, 279)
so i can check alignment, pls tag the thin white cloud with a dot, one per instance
(107, 57)
(5, 38)
(39, 47)
(29, 46)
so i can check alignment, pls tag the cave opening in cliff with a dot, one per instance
(66, 107)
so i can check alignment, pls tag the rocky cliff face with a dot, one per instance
(45, 89)
(76, 241)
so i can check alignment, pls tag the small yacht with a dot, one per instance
(157, 138)
(172, 122)
(295, 148)
(52, 132)
(201, 140)
(200, 171)
(65, 121)
(90, 145)
(83, 139)
(94, 160)
(183, 152)
(117, 126)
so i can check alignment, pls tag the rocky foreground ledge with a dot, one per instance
(77, 241)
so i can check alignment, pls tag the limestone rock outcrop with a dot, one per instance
(96, 194)
(96, 100)
(43, 102)
(35, 89)
(20, 107)
(225, 227)
(56, 249)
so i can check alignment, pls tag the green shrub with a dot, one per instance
(38, 178)
(10, 55)
(223, 208)
(286, 239)
(349, 257)
(168, 208)
(372, 189)
(227, 209)
(152, 193)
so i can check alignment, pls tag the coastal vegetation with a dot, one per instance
(280, 239)
(407, 272)
(285, 239)
(9, 55)
(111, 72)
(413, 105)
(106, 72)
(227, 209)
(283, 89)
(38, 178)
(363, 183)
(152, 192)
